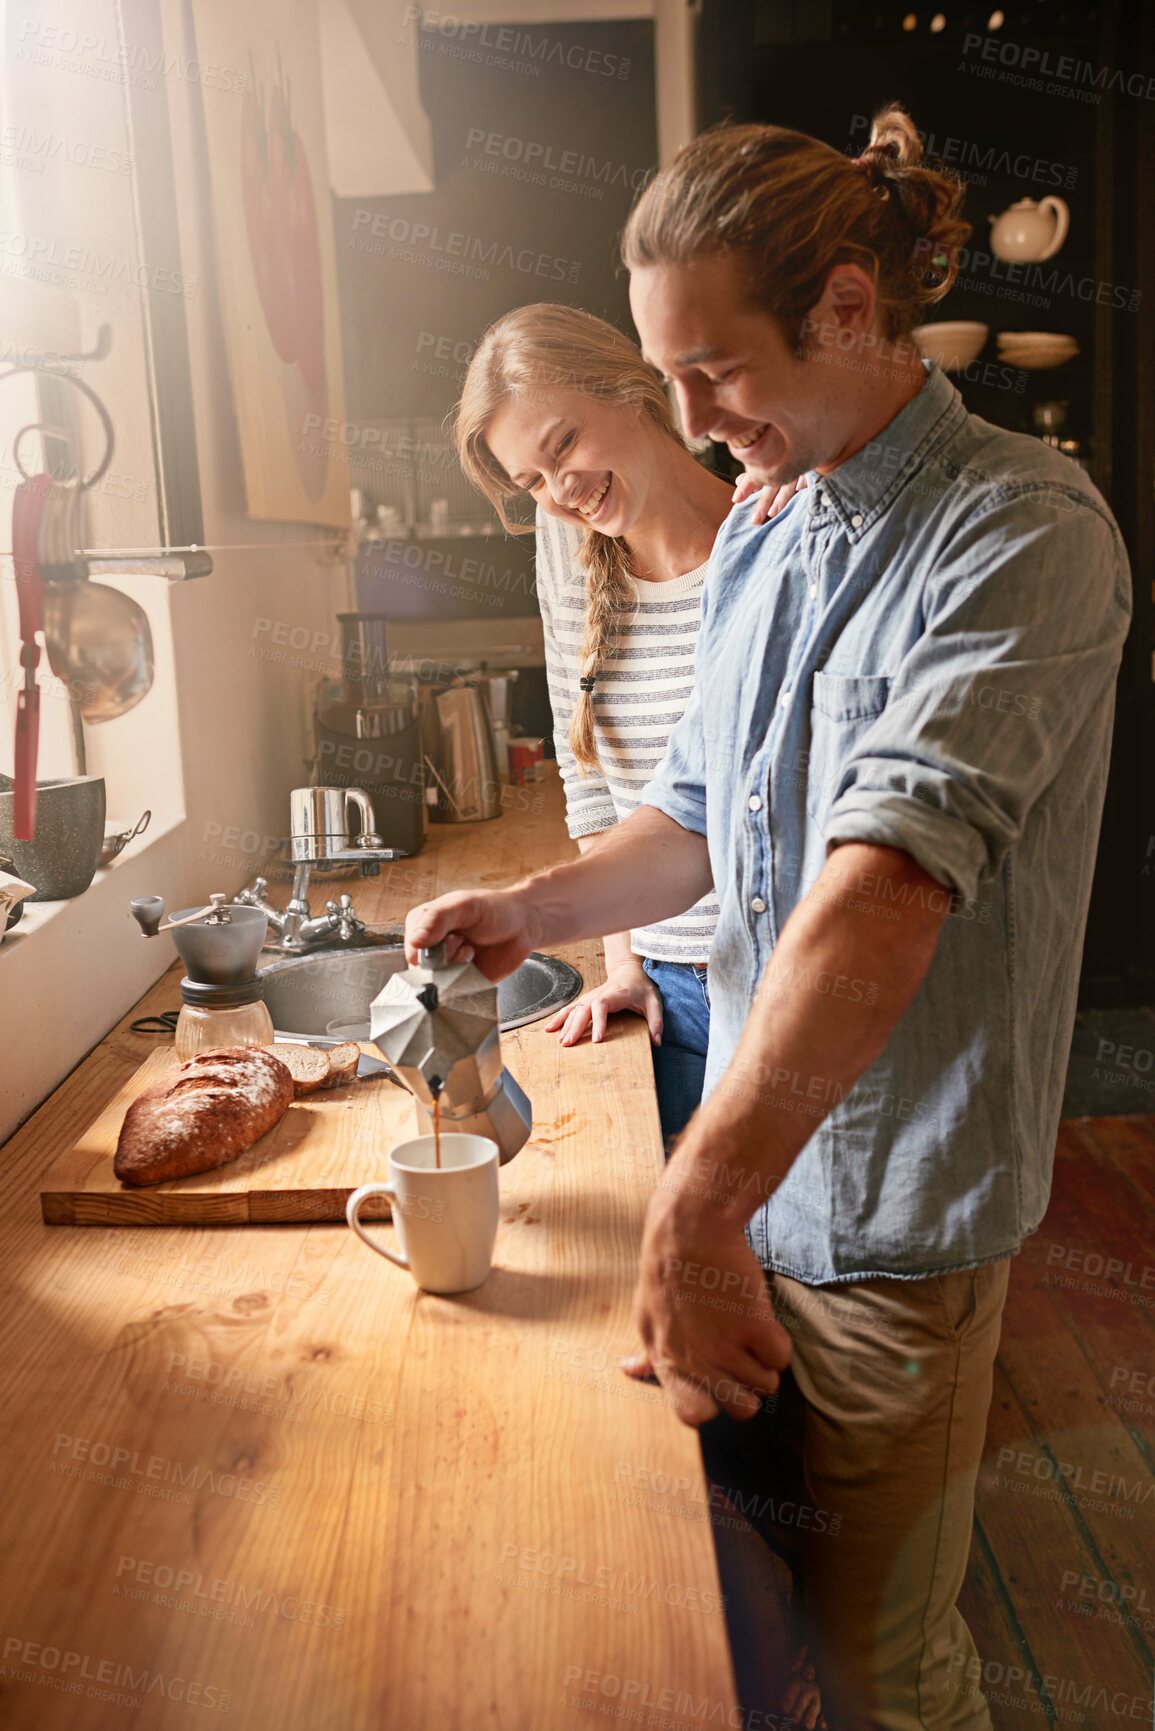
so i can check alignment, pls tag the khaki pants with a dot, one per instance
(861, 1473)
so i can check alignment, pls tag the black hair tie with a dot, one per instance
(876, 162)
(587, 681)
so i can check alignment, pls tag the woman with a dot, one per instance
(560, 405)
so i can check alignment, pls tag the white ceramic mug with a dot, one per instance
(446, 1217)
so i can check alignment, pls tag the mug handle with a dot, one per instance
(352, 1216)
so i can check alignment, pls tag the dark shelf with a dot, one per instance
(824, 67)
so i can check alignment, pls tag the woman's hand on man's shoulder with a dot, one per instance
(770, 500)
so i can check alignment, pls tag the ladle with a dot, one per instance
(98, 639)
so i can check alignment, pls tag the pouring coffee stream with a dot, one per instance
(428, 996)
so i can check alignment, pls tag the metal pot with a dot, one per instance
(61, 861)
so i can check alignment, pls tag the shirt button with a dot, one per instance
(857, 520)
(755, 802)
(784, 696)
(814, 589)
(758, 904)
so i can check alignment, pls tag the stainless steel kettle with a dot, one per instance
(437, 1024)
(463, 761)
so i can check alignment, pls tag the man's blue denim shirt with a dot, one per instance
(920, 652)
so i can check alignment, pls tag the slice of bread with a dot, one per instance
(308, 1065)
(343, 1061)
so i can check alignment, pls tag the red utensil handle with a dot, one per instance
(27, 746)
(27, 511)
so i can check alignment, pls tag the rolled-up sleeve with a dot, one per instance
(678, 785)
(1026, 612)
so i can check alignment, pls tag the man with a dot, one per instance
(892, 771)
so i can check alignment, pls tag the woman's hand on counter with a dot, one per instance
(492, 928)
(705, 1357)
(626, 987)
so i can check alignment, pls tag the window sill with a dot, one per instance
(69, 970)
(39, 915)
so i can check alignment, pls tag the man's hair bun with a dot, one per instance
(894, 137)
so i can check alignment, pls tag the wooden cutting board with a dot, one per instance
(303, 1169)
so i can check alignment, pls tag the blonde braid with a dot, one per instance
(610, 598)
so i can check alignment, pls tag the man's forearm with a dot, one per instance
(616, 946)
(844, 972)
(645, 869)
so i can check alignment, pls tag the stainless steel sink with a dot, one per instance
(308, 994)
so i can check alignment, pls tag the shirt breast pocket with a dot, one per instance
(841, 710)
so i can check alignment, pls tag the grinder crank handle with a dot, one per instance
(148, 911)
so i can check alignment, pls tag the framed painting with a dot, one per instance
(275, 261)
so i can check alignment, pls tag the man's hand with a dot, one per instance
(703, 1311)
(771, 500)
(491, 928)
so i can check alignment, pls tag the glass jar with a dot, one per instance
(211, 1017)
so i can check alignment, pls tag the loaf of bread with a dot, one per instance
(204, 1115)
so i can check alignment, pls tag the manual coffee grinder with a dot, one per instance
(222, 995)
(437, 1024)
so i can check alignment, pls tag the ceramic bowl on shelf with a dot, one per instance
(1036, 350)
(1036, 363)
(953, 343)
(1036, 342)
(1057, 348)
(1033, 339)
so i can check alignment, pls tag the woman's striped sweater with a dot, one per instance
(643, 685)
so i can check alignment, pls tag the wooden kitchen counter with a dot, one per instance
(254, 1478)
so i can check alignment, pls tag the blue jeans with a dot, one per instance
(680, 1060)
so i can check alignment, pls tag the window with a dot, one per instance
(76, 278)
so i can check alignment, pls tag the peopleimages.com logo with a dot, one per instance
(453, 250)
(67, 1670)
(1034, 68)
(162, 1476)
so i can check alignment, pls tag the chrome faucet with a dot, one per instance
(319, 831)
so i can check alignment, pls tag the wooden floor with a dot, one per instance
(1060, 1594)
(1061, 1590)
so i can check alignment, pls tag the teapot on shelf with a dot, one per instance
(1027, 232)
